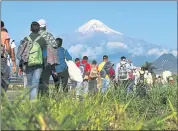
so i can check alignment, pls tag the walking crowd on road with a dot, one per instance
(41, 56)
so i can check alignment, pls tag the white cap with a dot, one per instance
(42, 22)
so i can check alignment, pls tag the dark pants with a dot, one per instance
(4, 74)
(62, 78)
(92, 86)
(141, 90)
(44, 81)
(126, 84)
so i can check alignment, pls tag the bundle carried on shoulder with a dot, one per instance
(74, 71)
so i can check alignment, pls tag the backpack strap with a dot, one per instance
(28, 38)
(43, 33)
(104, 66)
(37, 38)
(11, 41)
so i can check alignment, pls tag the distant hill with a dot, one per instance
(165, 62)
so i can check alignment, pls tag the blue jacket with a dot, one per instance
(62, 54)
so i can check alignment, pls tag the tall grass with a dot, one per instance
(112, 110)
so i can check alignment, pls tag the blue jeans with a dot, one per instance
(81, 87)
(105, 84)
(130, 86)
(33, 79)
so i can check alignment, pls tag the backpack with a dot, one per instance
(35, 53)
(141, 78)
(82, 69)
(23, 51)
(111, 73)
(106, 69)
(50, 40)
(93, 72)
(123, 72)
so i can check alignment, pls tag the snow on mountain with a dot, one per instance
(96, 25)
(95, 39)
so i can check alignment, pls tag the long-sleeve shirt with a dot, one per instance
(129, 66)
(62, 55)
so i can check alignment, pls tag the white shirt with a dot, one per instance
(12, 45)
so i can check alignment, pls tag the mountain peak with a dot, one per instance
(95, 25)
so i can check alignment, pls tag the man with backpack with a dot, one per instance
(61, 74)
(5, 52)
(106, 72)
(123, 68)
(93, 77)
(30, 54)
(50, 58)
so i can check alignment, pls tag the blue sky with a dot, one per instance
(155, 22)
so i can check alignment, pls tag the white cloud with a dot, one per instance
(174, 52)
(136, 51)
(92, 52)
(157, 52)
(76, 49)
(80, 50)
(116, 45)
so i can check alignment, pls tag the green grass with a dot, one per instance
(109, 111)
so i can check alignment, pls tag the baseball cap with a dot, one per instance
(42, 23)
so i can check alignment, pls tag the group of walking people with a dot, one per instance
(41, 55)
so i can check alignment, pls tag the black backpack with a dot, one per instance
(106, 68)
(141, 78)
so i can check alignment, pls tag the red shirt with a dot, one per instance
(87, 66)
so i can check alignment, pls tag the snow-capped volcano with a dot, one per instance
(95, 39)
(95, 25)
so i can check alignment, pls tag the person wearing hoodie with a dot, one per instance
(50, 58)
(62, 74)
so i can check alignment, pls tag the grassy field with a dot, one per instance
(112, 110)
